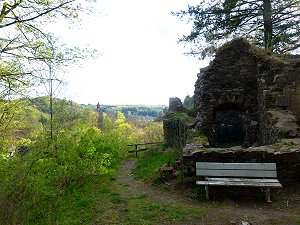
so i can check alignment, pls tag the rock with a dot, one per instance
(249, 83)
(285, 122)
(176, 173)
(166, 172)
(175, 105)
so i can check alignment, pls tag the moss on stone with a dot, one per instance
(181, 116)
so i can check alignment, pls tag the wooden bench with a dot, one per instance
(262, 175)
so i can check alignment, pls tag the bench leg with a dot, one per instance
(207, 191)
(268, 194)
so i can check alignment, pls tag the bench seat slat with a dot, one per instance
(235, 166)
(240, 182)
(236, 173)
(242, 179)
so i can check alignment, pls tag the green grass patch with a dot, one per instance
(104, 190)
(297, 221)
(117, 199)
(149, 162)
(143, 211)
(76, 205)
(105, 201)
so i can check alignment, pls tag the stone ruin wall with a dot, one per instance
(229, 83)
(264, 90)
(174, 133)
(243, 85)
(246, 85)
(175, 130)
(279, 99)
(287, 159)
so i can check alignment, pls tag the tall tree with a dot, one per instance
(270, 24)
(25, 43)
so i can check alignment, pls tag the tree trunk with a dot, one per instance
(268, 26)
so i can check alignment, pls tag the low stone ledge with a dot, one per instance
(285, 155)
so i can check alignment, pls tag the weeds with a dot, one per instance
(149, 162)
(143, 211)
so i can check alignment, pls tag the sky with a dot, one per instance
(139, 62)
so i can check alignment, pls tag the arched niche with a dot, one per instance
(229, 125)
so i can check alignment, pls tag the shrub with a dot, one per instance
(35, 181)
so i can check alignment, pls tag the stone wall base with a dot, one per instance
(287, 158)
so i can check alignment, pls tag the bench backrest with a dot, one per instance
(213, 169)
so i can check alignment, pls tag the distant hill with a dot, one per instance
(137, 111)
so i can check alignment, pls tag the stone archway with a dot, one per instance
(229, 125)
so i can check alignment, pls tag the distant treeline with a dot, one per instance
(137, 111)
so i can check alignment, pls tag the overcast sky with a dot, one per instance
(140, 61)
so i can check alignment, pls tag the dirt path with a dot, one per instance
(226, 212)
(136, 187)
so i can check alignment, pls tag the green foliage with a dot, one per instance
(42, 169)
(188, 102)
(201, 193)
(146, 132)
(12, 78)
(142, 112)
(47, 181)
(269, 24)
(143, 211)
(100, 201)
(27, 49)
(121, 124)
(41, 103)
(197, 136)
(182, 116)
(68, 115)
(151, 161)
(19, 120)
(43, 175)
(29, 118)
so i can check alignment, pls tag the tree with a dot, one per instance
(188, 102)
(273, 25)
(26, 46)
(29, 54)
(122, 126)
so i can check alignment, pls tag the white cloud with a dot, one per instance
(141, 62)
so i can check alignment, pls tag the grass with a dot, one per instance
(103, 200)
(149, 162)
(143, 211)
(107, 205)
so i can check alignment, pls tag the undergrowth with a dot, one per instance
(150, 161)
(33, 186)
(103, 200)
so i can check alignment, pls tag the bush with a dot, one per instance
(32, 183)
